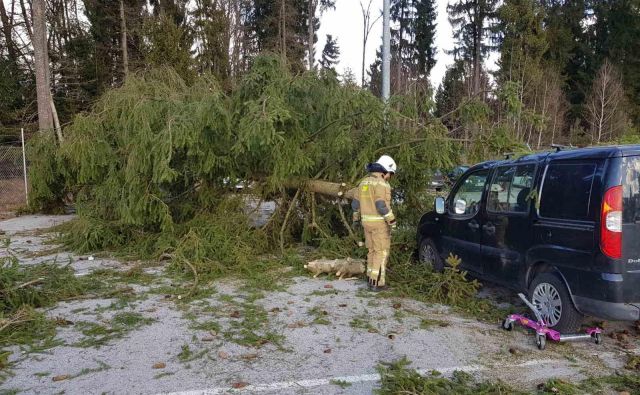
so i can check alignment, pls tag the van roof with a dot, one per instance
(614, 151)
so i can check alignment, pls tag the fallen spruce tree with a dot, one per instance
(152, 170)
(157, 154)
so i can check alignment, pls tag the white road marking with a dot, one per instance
(253, 388)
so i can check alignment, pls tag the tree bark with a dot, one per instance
(25, 15)
(123, 41)
(283, 30)
(327, 188)
(41, 60)
(8, 38)
(311, 33)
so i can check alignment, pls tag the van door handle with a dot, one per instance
(473, 225)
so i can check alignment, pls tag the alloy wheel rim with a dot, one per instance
(546, 299)
(427, 256)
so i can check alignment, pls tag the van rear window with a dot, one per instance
(566, 191)
(631, 195)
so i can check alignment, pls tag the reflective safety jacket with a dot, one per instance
(372, 201)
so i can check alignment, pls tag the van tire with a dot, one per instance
(429, 252)
(570, 318)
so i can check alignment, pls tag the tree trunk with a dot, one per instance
(364, 49)
(56, 121)
(283, 30)
(123, 39)
(41, 60)
(477, 54)
(476, 67)
(327, 188)
(25, 15)
(311, 33)
(6, 28)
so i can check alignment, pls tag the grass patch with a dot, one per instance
(209, 326)
(163, 374)
(397, 378)
(633, 362)
(362, 322)
(26, 288)
(97, 335)
(134, 275)
(101, 367)
(319, 316)
(324, 292)
(340, 383)
(186, 355)
(39, 285)
(250, 326)
(427, 323)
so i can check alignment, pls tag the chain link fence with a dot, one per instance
(13, 188)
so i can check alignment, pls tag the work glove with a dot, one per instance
(356, 225)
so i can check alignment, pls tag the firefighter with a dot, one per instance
(372, 208)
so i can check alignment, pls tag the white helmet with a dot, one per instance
(388, 163)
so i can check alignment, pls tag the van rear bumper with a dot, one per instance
(607, 310)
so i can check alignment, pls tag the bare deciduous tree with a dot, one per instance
(123, 40)
(367, 25)
(605, 105)
(41, 57)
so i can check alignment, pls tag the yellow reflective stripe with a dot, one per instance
(372, 218)
(389, 216)
(383, 183)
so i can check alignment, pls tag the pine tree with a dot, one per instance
(614, 37)
(167, 44)
(313, 24)
(425, 33)
(330, 53)
(280, 27)
(450, 95)
(212, 30)
(402, 16)
(472, 27)
(105, 65)
(569, 50)
(521, 38)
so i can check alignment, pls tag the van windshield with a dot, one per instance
(631, 194)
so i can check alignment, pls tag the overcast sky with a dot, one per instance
(345, 23)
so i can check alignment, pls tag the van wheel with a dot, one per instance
(551, 297)
(428, 255)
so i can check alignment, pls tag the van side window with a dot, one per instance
(469, 194)
(510, 190)
(631, 194)
(566, 191)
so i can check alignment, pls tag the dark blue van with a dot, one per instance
(563, 227)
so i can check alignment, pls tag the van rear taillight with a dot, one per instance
(611, 223)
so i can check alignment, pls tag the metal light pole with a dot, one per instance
(386, 52)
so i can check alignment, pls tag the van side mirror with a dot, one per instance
(461, 207)
(440, 206)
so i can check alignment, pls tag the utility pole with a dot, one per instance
(386, 52)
